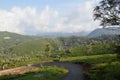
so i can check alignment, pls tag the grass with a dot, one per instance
(51, 73)
(95, 59)
(104, 72)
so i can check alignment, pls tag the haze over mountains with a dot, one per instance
(95, 33)
(61, 34)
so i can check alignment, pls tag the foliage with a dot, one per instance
(105, 72)
(93, 49)
(47, 50)
(108, 12)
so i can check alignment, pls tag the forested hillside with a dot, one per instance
(15, 48)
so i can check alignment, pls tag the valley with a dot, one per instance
(89, 53)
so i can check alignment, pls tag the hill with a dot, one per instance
(105, 31)
(7, 39)
(36, 46)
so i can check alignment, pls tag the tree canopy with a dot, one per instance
(108, 12)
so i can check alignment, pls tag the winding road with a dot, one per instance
(75, 70)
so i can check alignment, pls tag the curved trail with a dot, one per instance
(75, 71)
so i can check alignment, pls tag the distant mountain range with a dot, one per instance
(105, 31)
(4, 35)
(60, 34)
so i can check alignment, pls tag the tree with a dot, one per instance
(47, 50)
(108, 12)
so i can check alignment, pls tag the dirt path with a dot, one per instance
(75, 71)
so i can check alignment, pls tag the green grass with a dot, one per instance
(95, 59)
(104, 72)
(51, 73)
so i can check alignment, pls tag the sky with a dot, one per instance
(31, 17)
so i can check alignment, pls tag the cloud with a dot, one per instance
(13, 20)
(30, 21)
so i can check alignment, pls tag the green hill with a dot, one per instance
(36, 46)
(7, 39)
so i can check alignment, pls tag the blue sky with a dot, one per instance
(7, 4)
(36, 16)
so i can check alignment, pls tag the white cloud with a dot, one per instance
(29, 21)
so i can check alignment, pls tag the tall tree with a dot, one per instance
(108, 12)
(47, 50)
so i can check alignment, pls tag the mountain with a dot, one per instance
(105, 31)
(61, 34)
